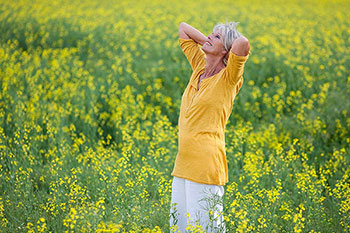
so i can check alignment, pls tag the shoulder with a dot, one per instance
(241, 46)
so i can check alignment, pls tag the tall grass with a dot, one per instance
(89, 102)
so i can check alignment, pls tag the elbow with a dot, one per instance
(182, 31)
(242, 42)
(246, 47)
(182, 25)
(241, 46)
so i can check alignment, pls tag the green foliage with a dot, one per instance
(90, 94)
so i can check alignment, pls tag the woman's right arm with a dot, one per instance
(186, 31)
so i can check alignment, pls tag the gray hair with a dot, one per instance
(229, 33)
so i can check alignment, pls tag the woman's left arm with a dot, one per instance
(240, 46)
(236, 59)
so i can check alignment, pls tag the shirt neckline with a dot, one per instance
(198, 77)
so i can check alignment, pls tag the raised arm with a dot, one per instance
(186, 31)
(236, 60)
(240, 46)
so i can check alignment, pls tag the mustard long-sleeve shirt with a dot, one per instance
(204, 112)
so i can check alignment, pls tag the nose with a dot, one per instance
(209, 37)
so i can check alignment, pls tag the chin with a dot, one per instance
(204, 49)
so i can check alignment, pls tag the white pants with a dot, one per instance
(195, 205)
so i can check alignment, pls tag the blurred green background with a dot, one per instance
(90, 93)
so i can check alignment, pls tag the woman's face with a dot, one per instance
(214, 45)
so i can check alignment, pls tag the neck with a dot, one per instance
(213, 65)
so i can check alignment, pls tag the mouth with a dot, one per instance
(210, 44)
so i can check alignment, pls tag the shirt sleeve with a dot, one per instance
(235, 67)
(192, 51)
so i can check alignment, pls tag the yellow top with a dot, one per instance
(204, 113)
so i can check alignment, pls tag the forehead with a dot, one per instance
(218, 31)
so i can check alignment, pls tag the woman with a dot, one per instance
(200, 170)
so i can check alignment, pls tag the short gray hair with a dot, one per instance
(229, 33)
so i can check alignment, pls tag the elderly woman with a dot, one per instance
(200, 170)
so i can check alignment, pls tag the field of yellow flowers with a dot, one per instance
(90, 94)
